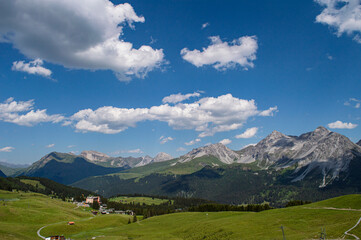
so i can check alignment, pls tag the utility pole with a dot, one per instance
(283, 233)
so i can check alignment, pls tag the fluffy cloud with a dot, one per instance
(269, 112)
(192, 142)
(165, 139)
(208, 115)
(50, 145)
(353, 102)
(342, 125)
(32, 67)
(82, 34)
(7, 149)
(204, 25)
(176, 98)
(22, 113)
(225, 141)
(250, 132)
(342, 15)
(222, 55)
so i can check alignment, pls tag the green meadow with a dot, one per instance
(22, 218)
(140, 200)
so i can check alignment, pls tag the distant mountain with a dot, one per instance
(10, 169)
(66, 168)
(161, 157)
(12, 165)
(327, 152)
(217, 150)
(2, 174)
(95, 156)
(312, 166)
(127, 162)
(359, 143)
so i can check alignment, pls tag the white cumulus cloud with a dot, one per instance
(192, 142)
(32, 67)
(82, 34)
(250, 132)
(342, 15)
(23, 113)
(165, 139)
(204, 25)
(223, 55)
(342, 125)
(50, 145)
(269, 112)
(7, 149)
(353, 102)
(208, 116)
(175, 98)
(225, 141)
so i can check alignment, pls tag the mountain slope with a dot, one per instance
(94, 156)
(328, 152)
(359, 143)
(2, 174)
(312, 166)
(66, 168)
(161, 157)
(217, 150)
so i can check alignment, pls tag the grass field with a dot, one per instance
(21, 219)
(33, 183)
(141, 200)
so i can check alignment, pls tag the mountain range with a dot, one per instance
(314, 165)
(127, 162)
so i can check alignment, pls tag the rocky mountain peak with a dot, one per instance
(218, 150)
(359, 143)
(162, 156)
(94, 156)
(275, 135)
(321, 131)
(320, 149)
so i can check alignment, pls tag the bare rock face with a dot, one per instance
(217, 150)
(95, 156)
(161, 157)
(321, 149)
(145, 161)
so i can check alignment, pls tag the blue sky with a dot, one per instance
(103, 71)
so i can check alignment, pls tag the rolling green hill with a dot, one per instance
(21, 218)
(22, 214)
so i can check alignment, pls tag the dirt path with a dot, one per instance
(332, 208)
(343, 209)
(38, 232)
(353, 235)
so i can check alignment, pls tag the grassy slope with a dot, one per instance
(301, 222)
(33, 183)
(141, 200)
(163, 168)
(21, 218)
